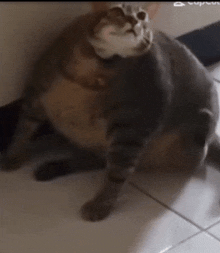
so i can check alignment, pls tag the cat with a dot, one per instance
(120, 90)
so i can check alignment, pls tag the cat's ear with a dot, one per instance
(152, 9)
(99, 6)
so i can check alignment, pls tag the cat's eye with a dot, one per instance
(141, 15)
(116, 11)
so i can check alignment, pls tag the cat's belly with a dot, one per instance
(75, 112)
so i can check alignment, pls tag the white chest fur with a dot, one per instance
(111, 43)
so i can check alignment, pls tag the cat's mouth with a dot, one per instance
(129, 31)
(135, 31)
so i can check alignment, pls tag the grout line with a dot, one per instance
(167, 207)
(179, 214)
(202, 230)
(212, 235)
(183, 241)
(215, 237)
(216, 223)
(205, 230)
(190, 237)
(216, 80)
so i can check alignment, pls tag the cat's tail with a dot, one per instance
(213, 155)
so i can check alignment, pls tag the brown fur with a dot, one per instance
(87, 70)
(76, 112)
(171, 151)
(71, 86)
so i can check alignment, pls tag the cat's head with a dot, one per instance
(122, 31)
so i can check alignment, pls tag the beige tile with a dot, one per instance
(202, 243)
(44, 217)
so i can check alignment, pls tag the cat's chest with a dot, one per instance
(76, 112)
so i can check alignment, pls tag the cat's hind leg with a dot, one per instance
(18, 152)
(52, 170)
(195, 138)
(202, 133)
(80, 161)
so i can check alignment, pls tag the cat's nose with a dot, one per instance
(132, 20)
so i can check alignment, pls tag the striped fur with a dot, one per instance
(157, 109)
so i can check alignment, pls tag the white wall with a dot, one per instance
(179, 20)
(27, 27)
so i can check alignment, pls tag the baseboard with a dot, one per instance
(204, 42)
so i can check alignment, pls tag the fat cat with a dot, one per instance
(135, 97)
(70, 79)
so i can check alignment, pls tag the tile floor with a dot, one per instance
(159, 213)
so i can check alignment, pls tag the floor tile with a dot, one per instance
(202, 243)
(44, 217)
(215, 230)
(196, 196)
(162, 234)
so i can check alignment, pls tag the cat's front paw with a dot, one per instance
(95, 211)
(11, 163)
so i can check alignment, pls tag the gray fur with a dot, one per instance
(163, 96)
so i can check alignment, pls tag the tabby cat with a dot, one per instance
(113, 87)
